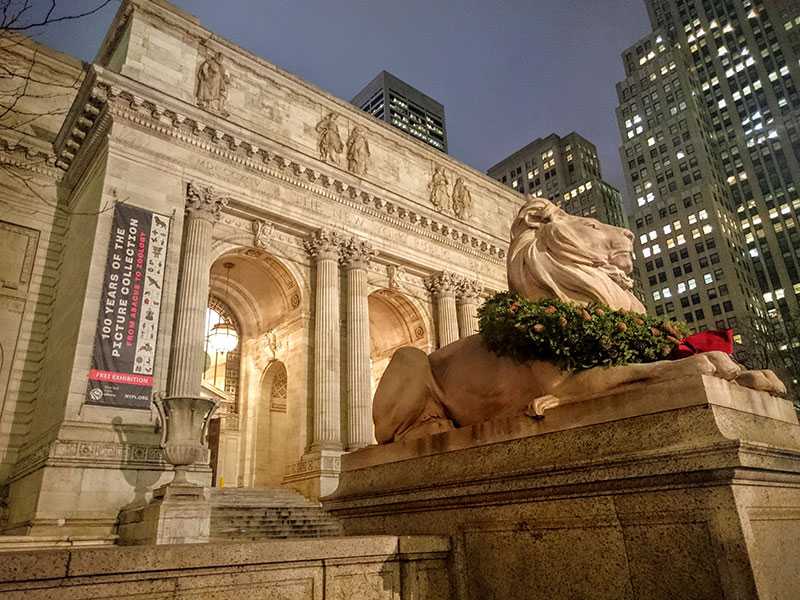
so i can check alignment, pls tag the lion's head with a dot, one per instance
(557, 255)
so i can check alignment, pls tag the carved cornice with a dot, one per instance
(324, 244)
(20, 156)
(357, 253)
(443, 284)
(274, 162)
(80, 128)
(204, 203)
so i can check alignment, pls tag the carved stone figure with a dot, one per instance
(552, 255)
(357, 152)
(329, 141)
(462, 200)
(212, 84)
(440, 198)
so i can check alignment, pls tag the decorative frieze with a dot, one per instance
(91, 453)
(262, 160)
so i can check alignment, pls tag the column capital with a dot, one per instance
(357, 253)
(324, 244)
(443, 284)
(204, 203)
(469, 291)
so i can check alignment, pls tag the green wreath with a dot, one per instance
(573, 336)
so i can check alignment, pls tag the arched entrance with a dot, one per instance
(394, 322)
(253, 441)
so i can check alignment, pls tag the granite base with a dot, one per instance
(684, 490)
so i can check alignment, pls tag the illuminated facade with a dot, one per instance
(394, 101)
(566, 171)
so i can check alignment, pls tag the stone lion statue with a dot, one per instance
(552, 255)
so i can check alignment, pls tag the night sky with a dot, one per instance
(506, 71)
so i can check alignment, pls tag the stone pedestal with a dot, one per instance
(682, 490)
(177, 514)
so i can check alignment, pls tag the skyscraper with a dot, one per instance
(566, 171)
(710, 120)
(393, 100)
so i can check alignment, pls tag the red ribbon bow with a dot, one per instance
(704, 341)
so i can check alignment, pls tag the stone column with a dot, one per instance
(443, 286)
(467, 299)
(324, 247)
(356, 255)
(203, 209)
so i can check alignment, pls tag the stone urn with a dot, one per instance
(184, 431)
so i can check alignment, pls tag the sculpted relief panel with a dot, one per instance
(459, 202)
(212, 84)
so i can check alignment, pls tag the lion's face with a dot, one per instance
(576, 258)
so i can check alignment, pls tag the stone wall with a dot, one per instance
(32, 230)
(367, 568)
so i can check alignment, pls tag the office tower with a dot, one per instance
(565, 170)
(691, 254)
(743, 57)
(392, 100)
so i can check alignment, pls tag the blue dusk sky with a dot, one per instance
(506, 71)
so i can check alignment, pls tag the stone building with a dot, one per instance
(566, 171)
(318, 237)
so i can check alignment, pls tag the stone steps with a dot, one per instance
(252, 514)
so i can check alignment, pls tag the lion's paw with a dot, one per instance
(724, 366)
(764, 381)
(537, 406)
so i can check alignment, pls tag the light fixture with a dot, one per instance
(223, 337)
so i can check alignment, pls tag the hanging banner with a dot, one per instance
(130, 305)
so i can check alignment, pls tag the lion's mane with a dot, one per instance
(548, 258)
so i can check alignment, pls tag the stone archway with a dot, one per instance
(255, 442)
(394, 322)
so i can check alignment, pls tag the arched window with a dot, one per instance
(221, 371)
(277, 386)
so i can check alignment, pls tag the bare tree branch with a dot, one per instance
(33, 96)
(15, 21)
